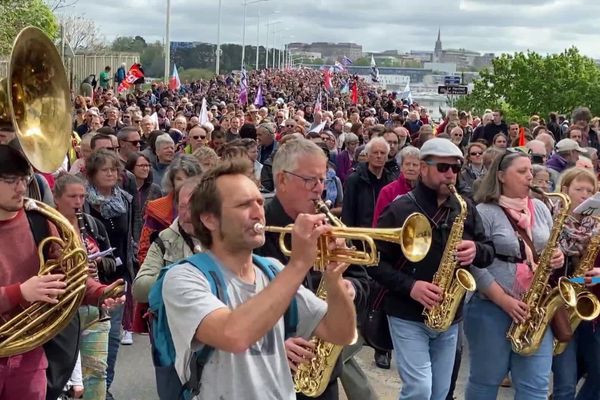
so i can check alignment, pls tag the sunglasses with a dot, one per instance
(444, 167)
(133, 142)
(475, 153)
(198, 137)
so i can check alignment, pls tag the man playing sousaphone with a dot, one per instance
(24, 375)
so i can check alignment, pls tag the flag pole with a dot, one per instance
(167, 48)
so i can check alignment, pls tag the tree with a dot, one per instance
(152, 58)
(524, 84)
(132, 44)
(82, 33)
(18, 14)
(58, 4)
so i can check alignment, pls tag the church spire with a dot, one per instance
(437, 52)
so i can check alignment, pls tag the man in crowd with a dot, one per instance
(496, 126)
(129, 142)
(566, 155)
(425, 358)
(248, 335)
(299, 171)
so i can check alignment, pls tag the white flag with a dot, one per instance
(203, 112)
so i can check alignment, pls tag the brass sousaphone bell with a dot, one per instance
(35, 102)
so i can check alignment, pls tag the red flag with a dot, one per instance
(521, 136)
(354, 93)
(135, 73)
(327, 79)
(174, 82)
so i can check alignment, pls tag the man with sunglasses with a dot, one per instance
(299, 173)
(424, 357)
(129, 142)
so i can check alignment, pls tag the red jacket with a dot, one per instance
(389, 192)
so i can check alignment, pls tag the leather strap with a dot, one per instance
(523, 237)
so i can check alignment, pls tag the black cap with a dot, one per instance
(12, 162)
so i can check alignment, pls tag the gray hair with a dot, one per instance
(185, 163)
(288, 155)
(350, 137)
(408, 151)
(537, 168)
(377, 140)
(490, 189)
(162, 140)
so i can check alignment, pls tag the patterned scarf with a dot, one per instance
(109, 206)
(521, 212)
(576, 234)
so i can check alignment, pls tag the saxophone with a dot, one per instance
(542, 300)
(312, 378)
(454, 281)
(588, 306)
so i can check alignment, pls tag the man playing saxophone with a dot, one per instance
(425, 356)
(299, 171)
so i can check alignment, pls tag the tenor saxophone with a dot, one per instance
(453, 280)
(588, 306)
(311, 378)
(542, 300)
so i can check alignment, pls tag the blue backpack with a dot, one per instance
(168, 383)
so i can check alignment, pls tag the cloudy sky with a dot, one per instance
(482, 25)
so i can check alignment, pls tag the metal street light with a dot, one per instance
(218, 63)
(167, 48)
(246, 3)
(267, 46)
(274, 32)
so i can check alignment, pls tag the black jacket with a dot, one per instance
(397, 274)
(360, 196)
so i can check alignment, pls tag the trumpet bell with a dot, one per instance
(35, 100)
(415, 237)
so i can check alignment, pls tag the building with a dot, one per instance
(464, 59)
(330, 52)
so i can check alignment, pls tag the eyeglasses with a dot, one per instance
(137, 121)
(15, 180)
(113, 148)
(475, 153)
(309, 182)
(290, 126)
(444, 167)
(133, 142)
(198, 137)
(143, 165)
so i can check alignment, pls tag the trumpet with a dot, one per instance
(414, 237)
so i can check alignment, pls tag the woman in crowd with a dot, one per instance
(139, 165)
(473, 169)
(408, 159)
(499, 141)
(112, 206)
(541, 179)
(456, 137)
(582, 354)
(69, 196)
(505, 207)
(345, 159)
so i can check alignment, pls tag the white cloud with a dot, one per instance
(483, 25)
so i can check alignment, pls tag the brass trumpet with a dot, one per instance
(414, 237)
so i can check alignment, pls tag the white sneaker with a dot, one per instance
(127, 338)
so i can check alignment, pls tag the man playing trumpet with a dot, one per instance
(248, 336)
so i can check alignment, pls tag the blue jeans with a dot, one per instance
(581, 355)
(424, 358)
(114, 340)
(491, 356)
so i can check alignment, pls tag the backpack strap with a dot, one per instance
(39, 228)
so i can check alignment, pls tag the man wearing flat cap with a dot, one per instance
(425, 357)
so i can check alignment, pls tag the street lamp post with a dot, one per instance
(257, 39)
(246, 3)
(218, 62)
(167, 48)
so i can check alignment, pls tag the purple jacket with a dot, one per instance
(343, 165)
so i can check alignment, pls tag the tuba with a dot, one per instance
(588, 306)
(452, 279)
(34, 99)
(542, 300)
(414, 237)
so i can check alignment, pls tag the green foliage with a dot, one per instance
(194, 74)
(18, 14)
(524, 84)
(152, 59)
(129, 44)
(362, 62)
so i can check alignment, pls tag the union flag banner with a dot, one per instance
(135, 72)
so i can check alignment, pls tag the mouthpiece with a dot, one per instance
(259, 228)
(537, 190)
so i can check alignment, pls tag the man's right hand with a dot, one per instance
(298, 351)
(43, 288)
(426, 293)
(305, 233)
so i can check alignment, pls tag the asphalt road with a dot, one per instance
(134, 379)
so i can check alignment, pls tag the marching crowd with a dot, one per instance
(159, 180)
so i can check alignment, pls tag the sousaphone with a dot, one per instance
(35, 102)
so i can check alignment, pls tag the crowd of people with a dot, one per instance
(158, 182)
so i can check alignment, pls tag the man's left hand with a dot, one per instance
(465, 252)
